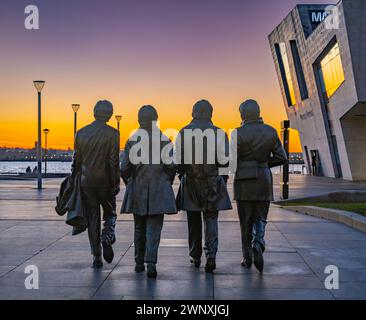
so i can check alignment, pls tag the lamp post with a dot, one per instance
(45, 131)
(39, 84)
(75, 107)
(118, 118)
(285, 125)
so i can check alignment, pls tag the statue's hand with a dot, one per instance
(115, 190)
(226, 178)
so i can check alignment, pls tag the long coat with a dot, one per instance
(259, 142)
(148, 186)
(96, 156)
(201, 187)
(70, 200)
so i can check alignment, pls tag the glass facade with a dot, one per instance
(331, 71)
(283, 60)
(299, 71)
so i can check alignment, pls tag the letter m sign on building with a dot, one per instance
(317, 16)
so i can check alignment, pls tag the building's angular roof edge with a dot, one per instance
(274, 29)
(296, 8)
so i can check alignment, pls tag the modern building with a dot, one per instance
(320, 57)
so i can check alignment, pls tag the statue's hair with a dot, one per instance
(147, 113)
(103, 110)
(202, 109)
(250, 109)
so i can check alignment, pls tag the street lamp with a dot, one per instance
(118, 118)
(45, 131)
(39, 84)
(75, 107)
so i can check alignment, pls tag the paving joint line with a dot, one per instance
(109, 273)
(306, 263)
(35, 254)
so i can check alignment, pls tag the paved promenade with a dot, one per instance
(299, 248)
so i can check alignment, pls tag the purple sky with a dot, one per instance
(164, 52)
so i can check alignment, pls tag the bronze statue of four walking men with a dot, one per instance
(148, 169)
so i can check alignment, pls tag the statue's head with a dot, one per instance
(103, 110)
(202, 110)
(147, 114)
(250, 110)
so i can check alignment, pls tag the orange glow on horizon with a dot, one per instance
(18, 115)
(19, 128)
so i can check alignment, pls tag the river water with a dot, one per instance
(15, 167)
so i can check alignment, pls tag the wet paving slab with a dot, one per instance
(299, 248)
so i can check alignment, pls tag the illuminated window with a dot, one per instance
(284, 65)
(331, 71)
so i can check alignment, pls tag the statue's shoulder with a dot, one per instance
(269, 128)
(183, 130)
(213, 126)
(242, 128)
(218, 130)
(112, 130)
(188, 126)
(84, 130)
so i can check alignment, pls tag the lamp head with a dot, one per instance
(75, 107)
(39, 84)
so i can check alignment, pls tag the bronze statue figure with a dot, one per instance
(258, 149)
(96, 159)
(148, 170)
(202, 189)
(149, 193)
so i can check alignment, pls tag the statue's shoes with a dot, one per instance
(139, 267)
(97, 262)
(247, 263)
(108, 253)
(258, 257)
(151, 270)
(196, 262)
(210, 265)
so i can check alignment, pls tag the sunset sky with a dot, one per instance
(168, 53)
